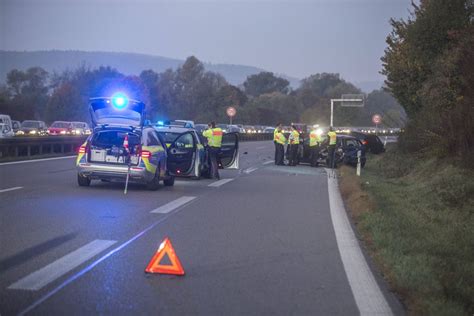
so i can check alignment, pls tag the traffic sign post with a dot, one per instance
(376, 119)
(231, 112)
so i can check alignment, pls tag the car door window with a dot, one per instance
(186, 141)
(352, 143)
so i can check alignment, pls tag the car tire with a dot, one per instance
(154, 184)
(169, 182)
(83, 181)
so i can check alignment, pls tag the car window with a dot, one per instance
(185, 141)
(169, 137)
(352, 143)
(153, 139)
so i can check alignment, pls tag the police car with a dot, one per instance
(122, 144)
(189, 157)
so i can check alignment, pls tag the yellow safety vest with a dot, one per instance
(314, 138)
(294, 138)
(214, 137)
(332, 138)
(275, 134)
(280, 138)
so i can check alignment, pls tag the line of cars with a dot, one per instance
(123, 143)
(10, 128)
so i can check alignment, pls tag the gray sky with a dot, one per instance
(296, 37)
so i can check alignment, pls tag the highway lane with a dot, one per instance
(252, 245)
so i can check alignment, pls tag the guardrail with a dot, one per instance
(19, 148)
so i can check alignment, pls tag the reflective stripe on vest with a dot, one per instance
(332, 138)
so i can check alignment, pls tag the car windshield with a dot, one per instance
(60, 124)
(30, 124)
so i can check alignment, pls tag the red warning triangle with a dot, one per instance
(165, 249)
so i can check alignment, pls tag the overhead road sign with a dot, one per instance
(348, 100)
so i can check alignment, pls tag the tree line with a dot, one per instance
(191, 92)
(429, 64)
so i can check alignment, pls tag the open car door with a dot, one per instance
(229, 154)
(182, 155)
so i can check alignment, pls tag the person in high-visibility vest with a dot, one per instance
(293, 141)
(280, 141)
(275, 132)
(332, 139)
(314, 143)
(214, 143)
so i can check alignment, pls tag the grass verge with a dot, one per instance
(417, 219)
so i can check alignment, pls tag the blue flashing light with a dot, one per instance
(119, 101)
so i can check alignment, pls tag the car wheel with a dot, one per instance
(169, 182)
(154, 184)
(83, 181)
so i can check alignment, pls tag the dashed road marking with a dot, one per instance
(250, 170)
(10, 189)
(268, 162)
(219, 183)
(367, 294)
(261, 147)
(38, 279)
(35, 160)
(173, 205)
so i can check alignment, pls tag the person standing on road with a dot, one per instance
(294, 141)
(214, 143)
(332, 137)
(280, 141)
(314, 143)
(275, 141)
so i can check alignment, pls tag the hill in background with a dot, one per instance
(127, 63)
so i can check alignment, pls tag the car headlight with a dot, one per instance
(33, 132)
(62, 132)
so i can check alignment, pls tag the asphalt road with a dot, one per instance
(262, 243)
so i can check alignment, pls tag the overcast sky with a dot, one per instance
(297, 38)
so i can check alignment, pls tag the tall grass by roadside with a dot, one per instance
(417, 216)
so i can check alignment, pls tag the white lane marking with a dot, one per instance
(367, 294)
(35, 160)
(261, 147)
(219, 183)
(173, 205)
(10, 189)
(268, 162)
(250, 170)
(38, 279)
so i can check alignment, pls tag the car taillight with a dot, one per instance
(82, 150)
(365, 142)
(145, 154)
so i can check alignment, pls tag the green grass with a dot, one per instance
(421, 230)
